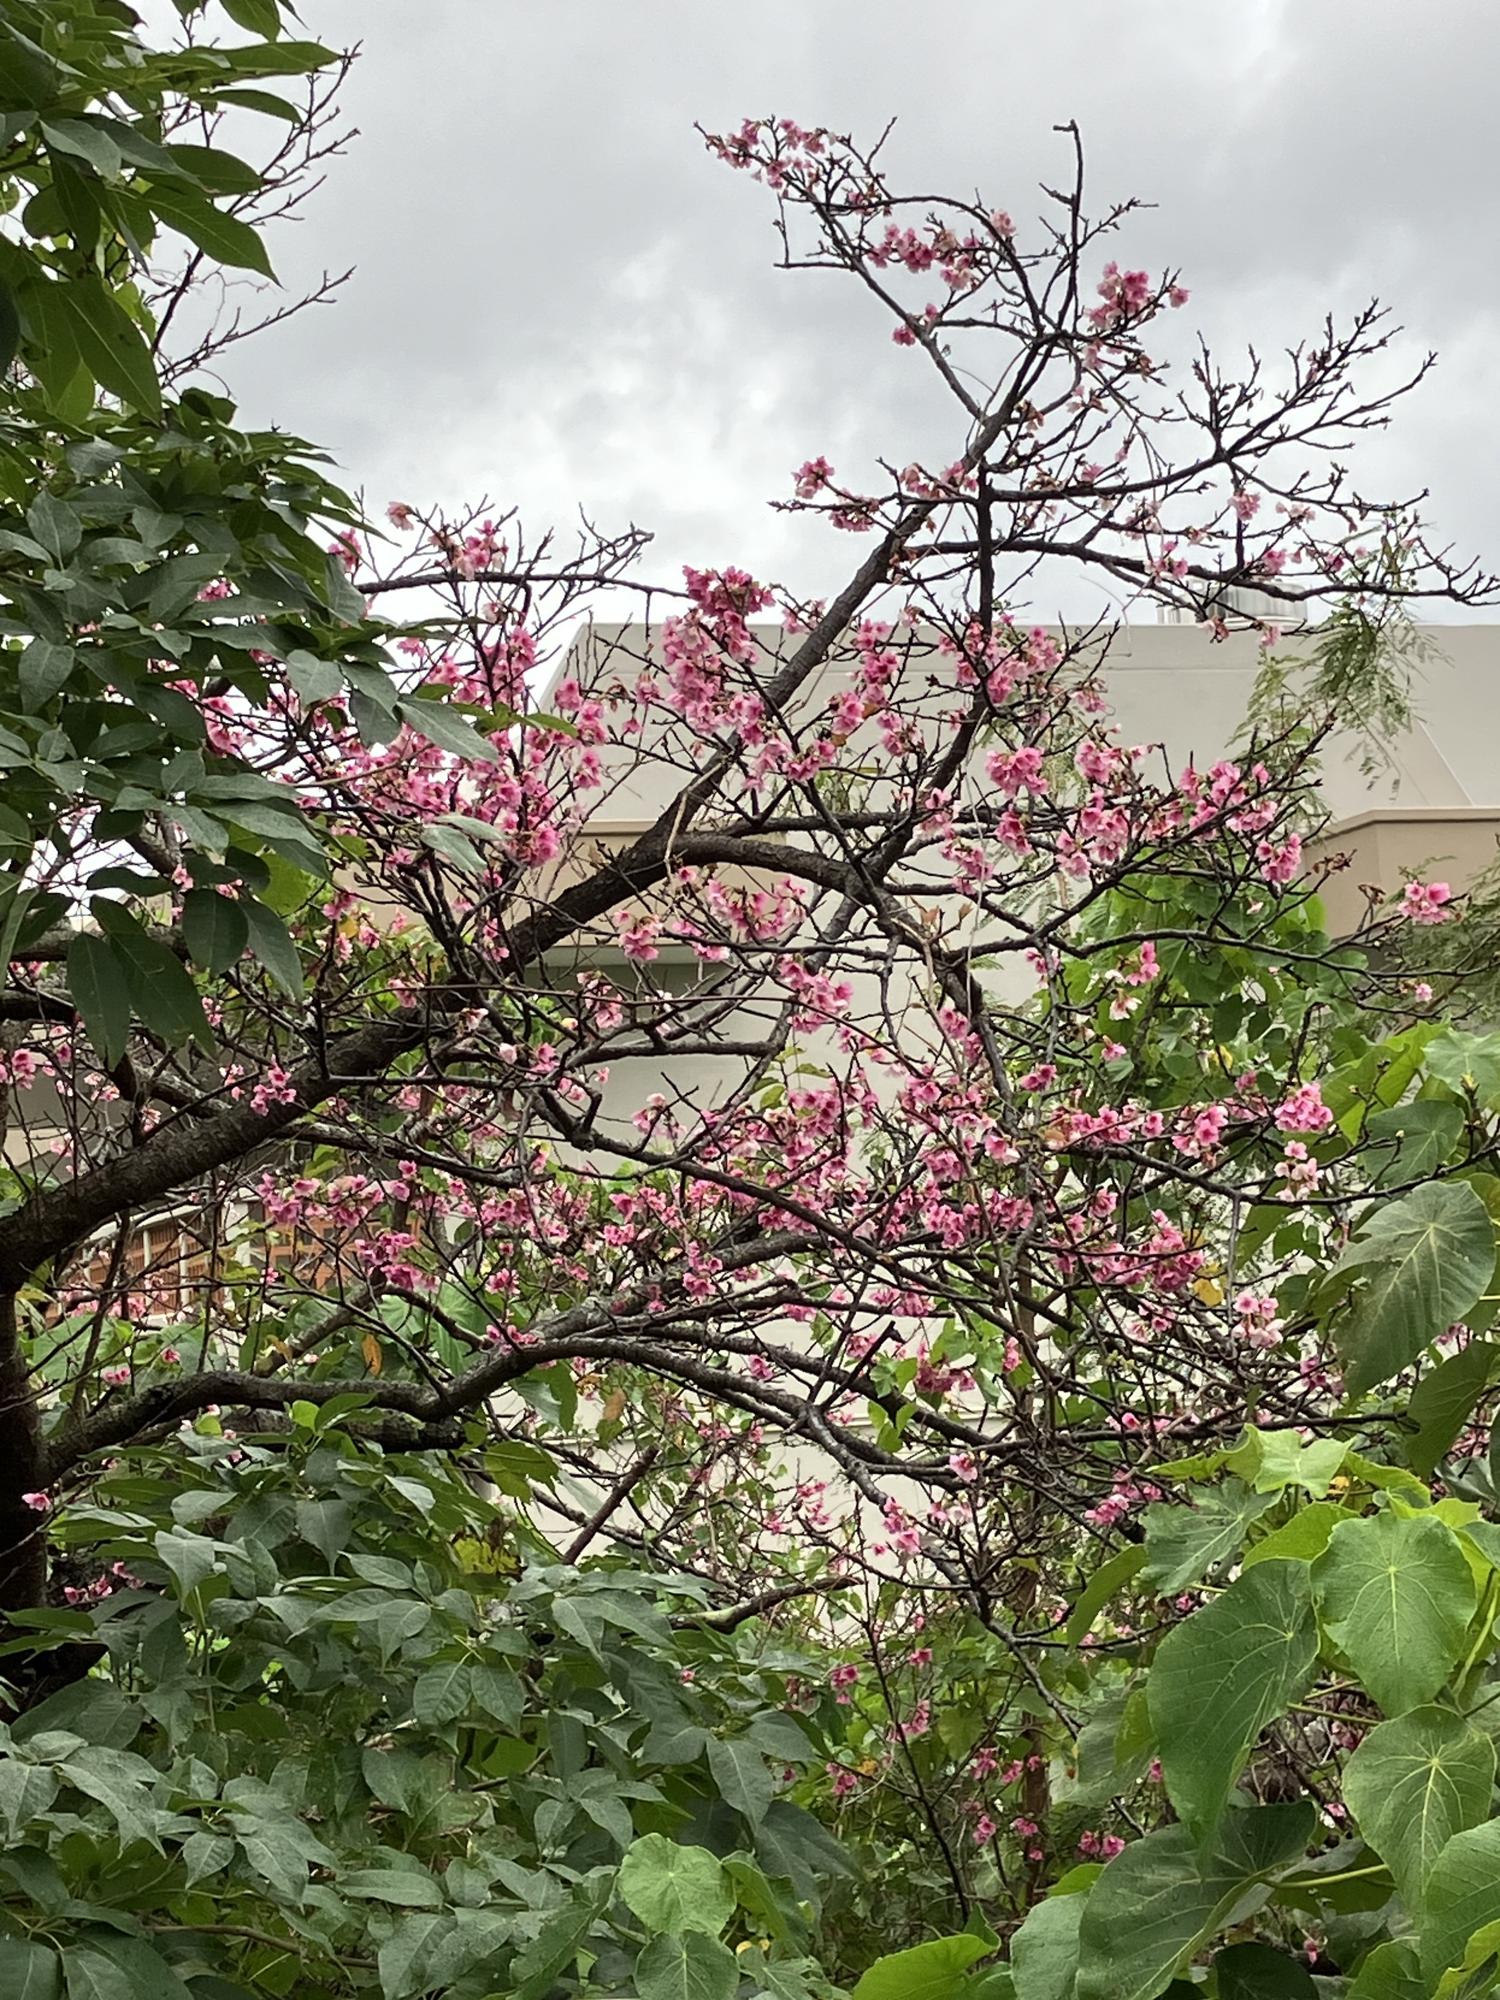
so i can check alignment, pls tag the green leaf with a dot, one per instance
(314, 679)
(558, 1942)
(1468, 1063)
(108, 1776)
(223, 237)
(408, 1886)
(1183, 1544)
(1110, 1577)
(276, 59)
(272, 944)
(120, 1968)
(205, 1854)
(1302, 1538)
(217, 929)
(191, 1559)
(29, 1971)
(25, 1791)
(256, 17)
(408, 1956)
(1443, 1399)
(1258, 1972)
(1391, 1972)
(113, 348)
(1274, 1460)
(742, 1776)
(97, 985)
(442, 1694)
(55, 525)
(45, 666)
(1044, 1951)
(1423, 1262)
(86, 141)
(1162, 1899)
(931, 1971)
(686, 1968)
(448, 729)
(1463, 1896)
(1477, 1971)
(10, 328)
(1411, 1141)
(1222, 1675)
(265, 102)
(214, 169)
(673, 1888)
(160, 988)
(1415, 1782)
(496, 1692)
(1396, 1596)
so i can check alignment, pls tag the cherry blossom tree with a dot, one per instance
(977, 1240)
(775, 1094)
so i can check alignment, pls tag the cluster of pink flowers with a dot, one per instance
(1303, 1110)
(1427, 902)
(1100, 1846)
(1126, 296)
(1259, 1325)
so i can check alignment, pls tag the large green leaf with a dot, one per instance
(1463, 1896)
(931, 1971)
(1222, 1675)
(1257, 1972)
(160, 988)
(272, 944)
(25, 1791)
(448, 729)
(223, 236)
(693, 1967)
(1164, 1897)
(113, 347)
(97, 985)
(1396, 1596)
(559, 1941)
(1110, 1577)
(1415, 1782)
(217, 929)
(1411, 1141)
(29, 1971)
(410, 1955)
(112, 1967)
(1300, 1539)
(742, 1776)
(1470, 1063)
(1477, 1972)
(1391, 1972)
(10, 328)
(1273, 1460)
(1044, 1951)
(43, 668)
(442, 1693)
(673, 1888)
(1421, 1262)
(1184, 1544)
(1443, 1399)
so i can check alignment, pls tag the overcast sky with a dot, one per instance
(561, 300)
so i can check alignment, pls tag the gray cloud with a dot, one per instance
(561, 300)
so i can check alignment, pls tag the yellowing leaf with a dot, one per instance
(374, 1356)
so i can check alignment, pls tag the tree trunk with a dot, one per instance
(23, 1532)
